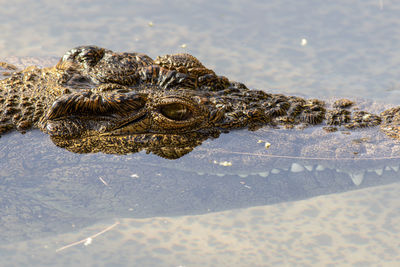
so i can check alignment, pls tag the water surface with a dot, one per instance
(184, 212)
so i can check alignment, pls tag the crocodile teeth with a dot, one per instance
(379, 171)
(220, 174)
(296, 168)
(243, 175)
(320, 168)
(275, 171)
(357, 177)
(308, 167)
(395, 168)
(264, 174)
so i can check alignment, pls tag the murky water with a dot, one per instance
(185, 212)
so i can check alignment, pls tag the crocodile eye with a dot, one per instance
(176, 111)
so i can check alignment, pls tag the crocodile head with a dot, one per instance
(118, 119)
(173, 102)
(97, 100)
(122, 113)
(121, 119)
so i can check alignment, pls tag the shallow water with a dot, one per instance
(351, 50)
(356, 228)
(52, 197)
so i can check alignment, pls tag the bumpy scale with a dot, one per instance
(97, 100)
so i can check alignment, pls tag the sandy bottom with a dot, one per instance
(358, 228)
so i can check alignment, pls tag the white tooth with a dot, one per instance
(357, 177)
(395, 168)
(379, 171)
(264, 174)
(225, 163)
(308, 167)
(275, 171)
(285, 168)
(387, 168)
(243, 175)
(296, 168)
(220, 174)
(320, 168)
(200, 173)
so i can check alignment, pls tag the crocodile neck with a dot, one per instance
(26, 95)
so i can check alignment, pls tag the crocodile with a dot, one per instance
(47, 190)
(96, 100)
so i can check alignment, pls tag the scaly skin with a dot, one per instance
(97, 100)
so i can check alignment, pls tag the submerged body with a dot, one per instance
(98, 100)
(154, 113)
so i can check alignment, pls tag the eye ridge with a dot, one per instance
(176, 111)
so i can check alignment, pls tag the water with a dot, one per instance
(351, 47)
(184, 212)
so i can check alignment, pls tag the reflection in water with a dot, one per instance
(167, 146)
(50, 192)
(56, 191)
